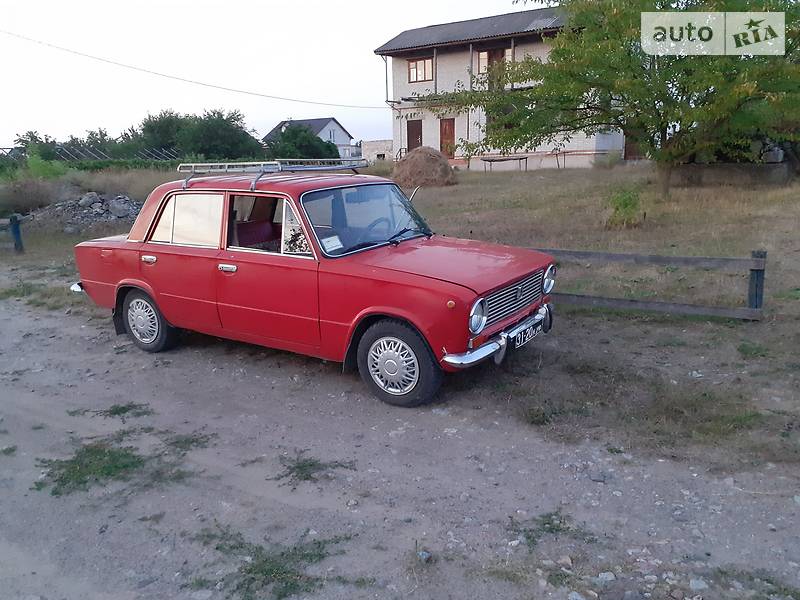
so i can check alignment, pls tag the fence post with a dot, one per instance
(16, 233)
(755, 294)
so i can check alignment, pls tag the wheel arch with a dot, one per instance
(122, 290)
(350, 362)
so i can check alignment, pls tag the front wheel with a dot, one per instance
(145, 324)
(396, 363)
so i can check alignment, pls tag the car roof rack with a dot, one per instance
(260, 169)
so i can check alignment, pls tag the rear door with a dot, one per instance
(267, 277)
(179, 260)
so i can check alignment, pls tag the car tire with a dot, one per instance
(145, 324)
(397, 364)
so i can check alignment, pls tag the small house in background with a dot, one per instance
(439, 58)
(377, 150)
(327, 129)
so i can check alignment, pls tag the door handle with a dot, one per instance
(149, 259)
(227, 268)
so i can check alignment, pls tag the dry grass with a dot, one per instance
(136, 184)
(568, 208)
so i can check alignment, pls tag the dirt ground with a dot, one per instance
(506, 509)
(622, 456)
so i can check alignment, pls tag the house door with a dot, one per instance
(447, 137)
(414, 129)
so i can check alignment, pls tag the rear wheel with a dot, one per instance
(396, 363)
(145, 323)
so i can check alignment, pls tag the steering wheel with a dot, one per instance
(372, 226)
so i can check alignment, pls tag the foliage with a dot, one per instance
(298, 141)
(214, 135)
(597, 78)
(44, 169)
(626, 209)
(91, 464)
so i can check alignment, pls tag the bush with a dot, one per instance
(625, 209)
(45, 169)
(608, 161)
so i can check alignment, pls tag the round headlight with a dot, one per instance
(477, 316)
(549, 281)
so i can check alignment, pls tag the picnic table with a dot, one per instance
(490, 160)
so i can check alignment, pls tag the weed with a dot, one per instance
(92, 464)
(614, 450)
(558, 577)
(252, 461)
(762, 583)
(793, 294)
(199, 583)
(552, 523)
(3, 431)
(539, 415)
(752, 350)
(8, 450)
(37, 427)
(299, 468)
(184, 442)
(278, 571)
(626, 209)
(504, 573)
(43, 296)
(123, 411)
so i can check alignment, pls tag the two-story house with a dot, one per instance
(430, 60)
(327, 129)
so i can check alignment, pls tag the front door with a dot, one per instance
(447, 137)
(267, 277)
(179, 261)
(414, 130)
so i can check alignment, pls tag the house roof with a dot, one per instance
(499, 26)
(315, 125)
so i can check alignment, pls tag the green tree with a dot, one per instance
(218, 135)
(298, 141)
(43, 146)
(597, 78)
(159, 131)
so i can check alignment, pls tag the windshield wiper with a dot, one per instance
(393, 239)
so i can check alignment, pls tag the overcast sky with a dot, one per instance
(309, 49)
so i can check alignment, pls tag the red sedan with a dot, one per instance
(341, 267)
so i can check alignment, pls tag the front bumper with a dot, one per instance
(498, 345)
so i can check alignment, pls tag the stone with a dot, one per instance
(119, 208)
(575, 596)
(697, 585)
(424, 556)
(606, 576)
(202, 594)
(88, 199)
(565, 561)
(797, 499)
(352, 503)
(600, 476)
(96, 206)
(676, 595)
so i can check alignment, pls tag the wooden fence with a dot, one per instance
(12, 224)
(756, 265)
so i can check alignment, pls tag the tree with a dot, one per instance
(597, 78)
(298, 141)
(161, 130)
(218, 135)
(33, 143)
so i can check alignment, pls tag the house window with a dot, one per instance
(420, 69)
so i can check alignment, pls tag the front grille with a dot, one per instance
(514, 297)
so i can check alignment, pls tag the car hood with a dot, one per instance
(479, 266)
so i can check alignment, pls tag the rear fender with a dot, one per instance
(123, 288)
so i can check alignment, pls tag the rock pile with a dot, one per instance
(423, 166)
(73, 215)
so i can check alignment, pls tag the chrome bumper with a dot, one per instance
(498, 345)
(76, 287)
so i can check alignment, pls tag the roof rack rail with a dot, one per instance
(271, 166)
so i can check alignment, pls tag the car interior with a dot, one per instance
(255, 222)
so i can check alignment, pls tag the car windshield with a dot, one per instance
(362, 216)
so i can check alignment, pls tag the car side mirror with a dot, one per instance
(414, 193)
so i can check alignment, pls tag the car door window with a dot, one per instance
(294, 238)
(191, 220)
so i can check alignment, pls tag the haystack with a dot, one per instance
(423, 166)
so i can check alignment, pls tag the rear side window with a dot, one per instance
(190, 219)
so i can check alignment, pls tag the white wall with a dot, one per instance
(339, 136)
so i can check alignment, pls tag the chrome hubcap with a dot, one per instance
(393, 366)
(143, 321)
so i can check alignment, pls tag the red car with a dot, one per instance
(337, 266)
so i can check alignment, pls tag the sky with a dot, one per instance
(312, 49)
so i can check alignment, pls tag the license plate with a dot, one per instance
(526, 335)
